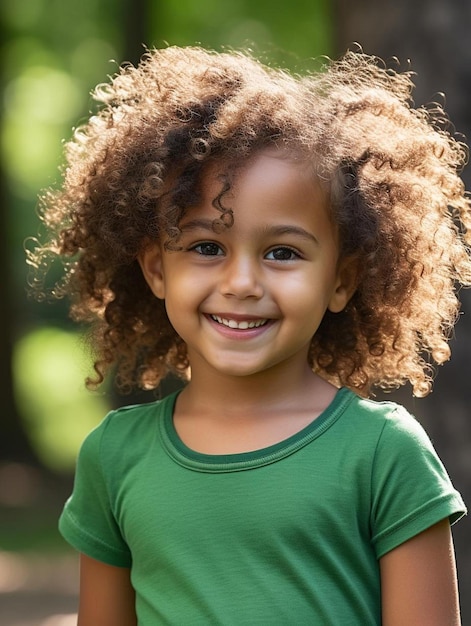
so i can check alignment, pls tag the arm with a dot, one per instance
(106, 595)
(418, 581)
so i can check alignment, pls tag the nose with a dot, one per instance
(242, 278)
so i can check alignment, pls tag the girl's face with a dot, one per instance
(249, 299)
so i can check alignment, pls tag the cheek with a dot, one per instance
(309, 286)
(183, 297)
(181, 284)
(178, 317)
(306, 297)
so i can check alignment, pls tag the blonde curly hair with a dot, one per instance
(392, 171)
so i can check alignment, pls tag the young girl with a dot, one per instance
(284, 244)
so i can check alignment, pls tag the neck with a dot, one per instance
(274, 391)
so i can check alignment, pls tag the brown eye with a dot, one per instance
(208, 248)
(282, 254)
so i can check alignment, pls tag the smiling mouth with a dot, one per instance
(240, 325)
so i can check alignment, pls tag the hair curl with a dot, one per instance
(392, 170)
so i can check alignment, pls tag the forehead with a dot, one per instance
(271, 174)
(269, 192)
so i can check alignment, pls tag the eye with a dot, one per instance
(207, 248)
(282, 254)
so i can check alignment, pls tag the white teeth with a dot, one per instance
(239, 325)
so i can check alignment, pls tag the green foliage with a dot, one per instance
(49, 71)
(49, 368)
(52, 52)
(284, 32)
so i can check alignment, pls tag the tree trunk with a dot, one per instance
(14, 444)
(434, 35)
(136, 29)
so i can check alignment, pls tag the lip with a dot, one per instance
(258, 325)
(239, 323)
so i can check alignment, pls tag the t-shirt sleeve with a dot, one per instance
(411, 489)
(87, 521)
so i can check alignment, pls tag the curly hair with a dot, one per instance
(393, 175)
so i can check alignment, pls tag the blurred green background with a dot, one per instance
(53, 52)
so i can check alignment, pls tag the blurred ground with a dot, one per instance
(38, 572)
(38, 589)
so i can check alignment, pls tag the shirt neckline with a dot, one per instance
(186, 457)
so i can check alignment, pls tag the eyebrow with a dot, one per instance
(196, 224)
(275, 230)
(290, 229)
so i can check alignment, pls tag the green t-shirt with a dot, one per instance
(290, 534)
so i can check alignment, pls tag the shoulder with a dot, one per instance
(398, 426)
(410, 487)
(384, 415)
(127, 418)
(125, 429)
(374, 409)
(381, 421)
(392, 439)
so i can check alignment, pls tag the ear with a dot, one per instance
(151, 263)
(346, 284)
